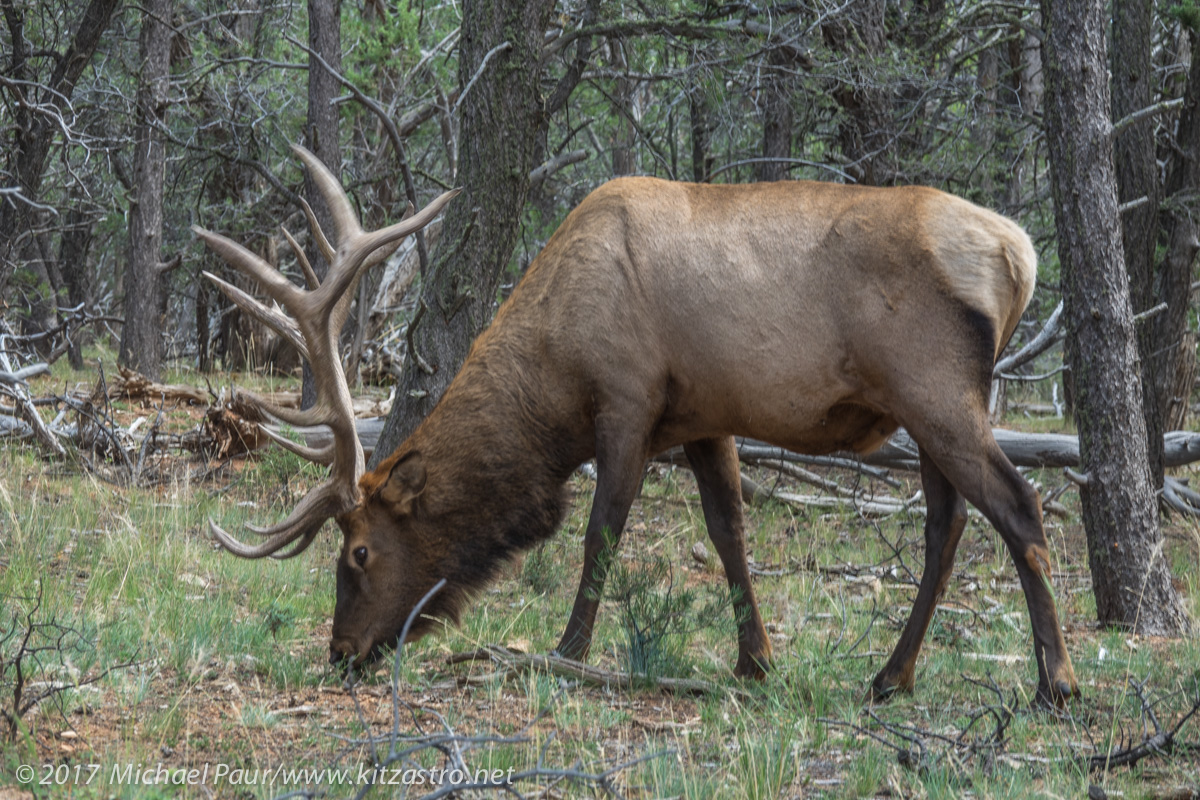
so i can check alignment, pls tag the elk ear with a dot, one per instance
(405, 483)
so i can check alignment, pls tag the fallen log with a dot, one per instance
(21, 376)
(1039, 450)
(12, 426)
(130, 385)
(514, 662)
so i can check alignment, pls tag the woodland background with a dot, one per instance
(122, 125)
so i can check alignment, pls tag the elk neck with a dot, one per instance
(498, 449)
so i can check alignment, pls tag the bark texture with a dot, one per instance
(1120, 515)
(865, 131)
(777, 116)
(1137, 177)
(501, 115)
(321, 132)
(1174, 351)
(145, 298)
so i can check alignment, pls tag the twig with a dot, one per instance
(598, 676)
(1144, 113)
(1077, 478)
(500, 48)
(393, 136)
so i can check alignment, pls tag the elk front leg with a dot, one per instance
(620, 461)
(944, 522)
(715, 464)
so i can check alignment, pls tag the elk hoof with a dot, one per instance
(753, 667)
(877, 694)
(885, 687)
(574, 648)
(1057, 697)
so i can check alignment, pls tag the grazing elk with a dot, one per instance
(817, 317)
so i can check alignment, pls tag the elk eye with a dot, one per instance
(360, 555)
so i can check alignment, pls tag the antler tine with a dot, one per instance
(310, 277)
(300, 546)
(342, 309)
(357, 251)
(345, 221)
(316, 319)
(326, 500)
(296, 417)
(318, 455)
(267, 548)
(282, 324)
(273, 283)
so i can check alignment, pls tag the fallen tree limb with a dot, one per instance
(130, 385)
(877, 507)
(900, 452)
(1178, 496)
(516, 662)
(1180, 448)
(18, 390)
(21, 376)
(12, 426)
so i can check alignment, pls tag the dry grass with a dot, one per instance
(230, 656)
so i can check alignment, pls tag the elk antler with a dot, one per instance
(316, 318)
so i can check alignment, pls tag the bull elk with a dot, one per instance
(817, 317)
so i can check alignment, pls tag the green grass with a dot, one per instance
(225, 650)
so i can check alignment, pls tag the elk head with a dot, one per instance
(367, 589)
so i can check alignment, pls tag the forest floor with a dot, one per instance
(172, 669)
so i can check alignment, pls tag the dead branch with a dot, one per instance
(74, 320)
(1050, 334)
(229, 428)
(21, 376)
(396, 751)
(1046, 338)
(1037, 450)
(134, 386)
(512, 662)
(918, 752)
(18, 390)
(97, 431)
(1160, 742)
(539, 174)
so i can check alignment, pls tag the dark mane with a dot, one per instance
(509, 464)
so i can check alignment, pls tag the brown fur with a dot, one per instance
(814, 316)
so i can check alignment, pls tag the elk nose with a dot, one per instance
(339, 652)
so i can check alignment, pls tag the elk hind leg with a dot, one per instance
(715, 464)
(969, 457)
(945, 519)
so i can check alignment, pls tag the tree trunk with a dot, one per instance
(624, 149)
(145, 298)
(1025, 92)
(777, 116)
(73, 249)
(1137, 177)
(865, 129)
(699, 117)
(1174, 348)
(25, 155)
(501, 116)
(1120, 515)
(321, 133)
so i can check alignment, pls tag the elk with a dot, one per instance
(817, 317)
